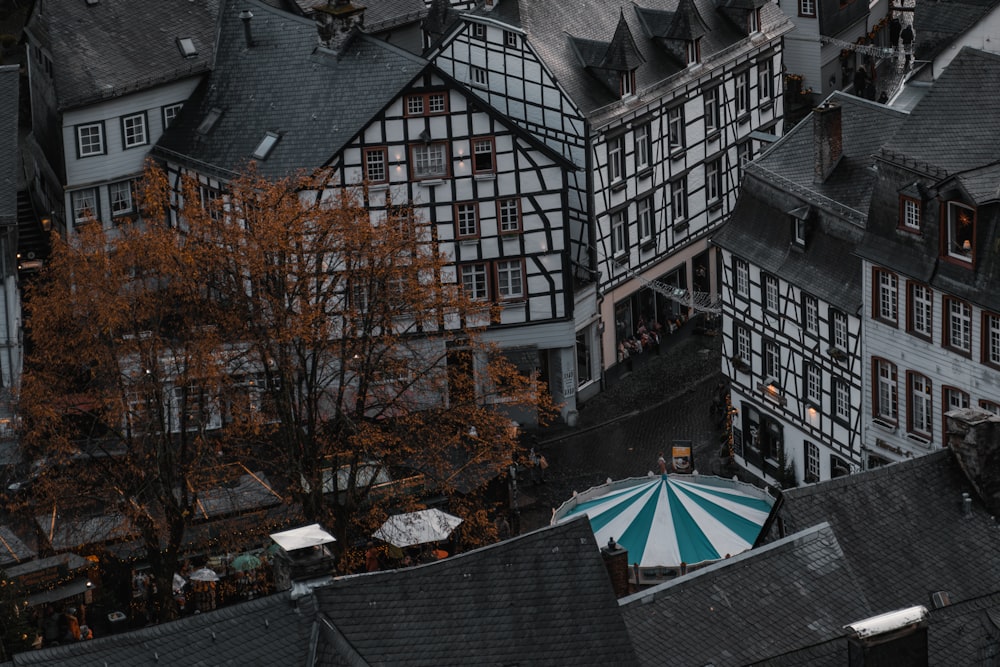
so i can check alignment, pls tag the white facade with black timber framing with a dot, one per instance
(623, 92)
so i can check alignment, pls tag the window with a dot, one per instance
(753, 21)
(626, 83)
(918, 404)
(426, 104)
(744, 154)
(713, 180)
(509, 212)
(479, 31)
(991, 339)
(772, 360)
(375, 165)
(211, 200)
(712, 109)
(694, 51)
(765, 80)
(120, 195)
(810, 314)
(919, 317)
(134, 130)
(675, 127)
(84, 205)
(884, 403)
(954, 399)
(616, 159)
(990, 406)
(209, 121)
(619, 233)
(957, 325)
(266, 145)
(466, 220)
(743, 344)
(799, 231)
(170, 113)
(743, 92)
(961, 231)
(437, 103)
(482, 155)
(742, 271)
(510, 38)
(814, 384)
(510, 279)
(838, 330)
(474, 281)
(479, 76)
(811, 456)
(415, 105)
(643, 146)
(90, 140)
(909, 214)
(807, 7)
(771, 293)
(430, 160)
(884, 295)
(678, 198)
(841, 401)
(644, 215)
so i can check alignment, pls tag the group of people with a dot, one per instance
(864, 76)
(63, 625)
(647, 336)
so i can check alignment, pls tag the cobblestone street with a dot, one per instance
(621, 430)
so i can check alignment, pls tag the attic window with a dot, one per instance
(266, 145)
(209, 121)
(627, 83)
(187, 47)
(694, 51)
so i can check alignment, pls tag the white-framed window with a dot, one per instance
(482, 155)
(958, 325)
(744, 154)
(627, 83)
(90, 139)
(807, 8)
(120, 195)
(509, 212)
(743, 92)
(712, 109)
(474, 281)
(955, 399)
(678, 198)
(510, 279)
(753, 21)
(437, 103)
(415, 105)
(170, 113)
(693, 51)
(743, 349)
(742, 271)
(211, 200)
(765, 80)
(713, 180)
(961, 231)
(84, 205)
(772, 360)
(799, 231)
(814, 384)
(375, 165)
(886, 401)
(886, 296)
(644, 216)
(811, 452)
(991, 338)
(842, 400)
(920, 314)
(616, 159)
(675, 127)
(910, 214)
(619, 233)
(479, 31)
(479, 76)
(430, 160)
(510, 38)
(466, 219)
(838, 329)
(990, 406)
(919, 404)
(643, 146)
(771, 302)
(810, 314)
(134, 130)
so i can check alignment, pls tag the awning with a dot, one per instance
(60, 593)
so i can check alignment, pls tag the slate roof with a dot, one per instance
(938, 24)
(793, 593)
(543, 598)
(8, 144)
(114, 47)
(379, 14)
(286, 84)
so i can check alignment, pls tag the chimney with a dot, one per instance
(888, 640)
(616, 560)
(246, 16)
(304, 560)
(337, 21)
(974, 436)
(828, 139)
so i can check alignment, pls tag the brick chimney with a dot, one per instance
(828, 140)
(974, 436)
(616, 560)
(336, 21)
(889, 640)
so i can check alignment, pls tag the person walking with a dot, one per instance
(907, 37)
(661, 462)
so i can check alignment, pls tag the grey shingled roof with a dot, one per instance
(903, 530)
(287, 85)
(8, 144)
(938, 24)
(114, 47)
(794, 593)
(544, 598)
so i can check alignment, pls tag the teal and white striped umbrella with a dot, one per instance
(669, 519)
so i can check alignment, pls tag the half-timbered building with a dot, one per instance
(792, 295)
(657, 105)
(493, 196)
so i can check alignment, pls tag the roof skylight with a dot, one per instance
(266, 145)
(187, 47)
(209, 121)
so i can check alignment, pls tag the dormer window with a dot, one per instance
(693, 52)
(909, 214)
(800, 225)
(753, 21)
(961, 232)
(627, 81)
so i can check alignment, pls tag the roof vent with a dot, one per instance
(940, 599)
(966, 505)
